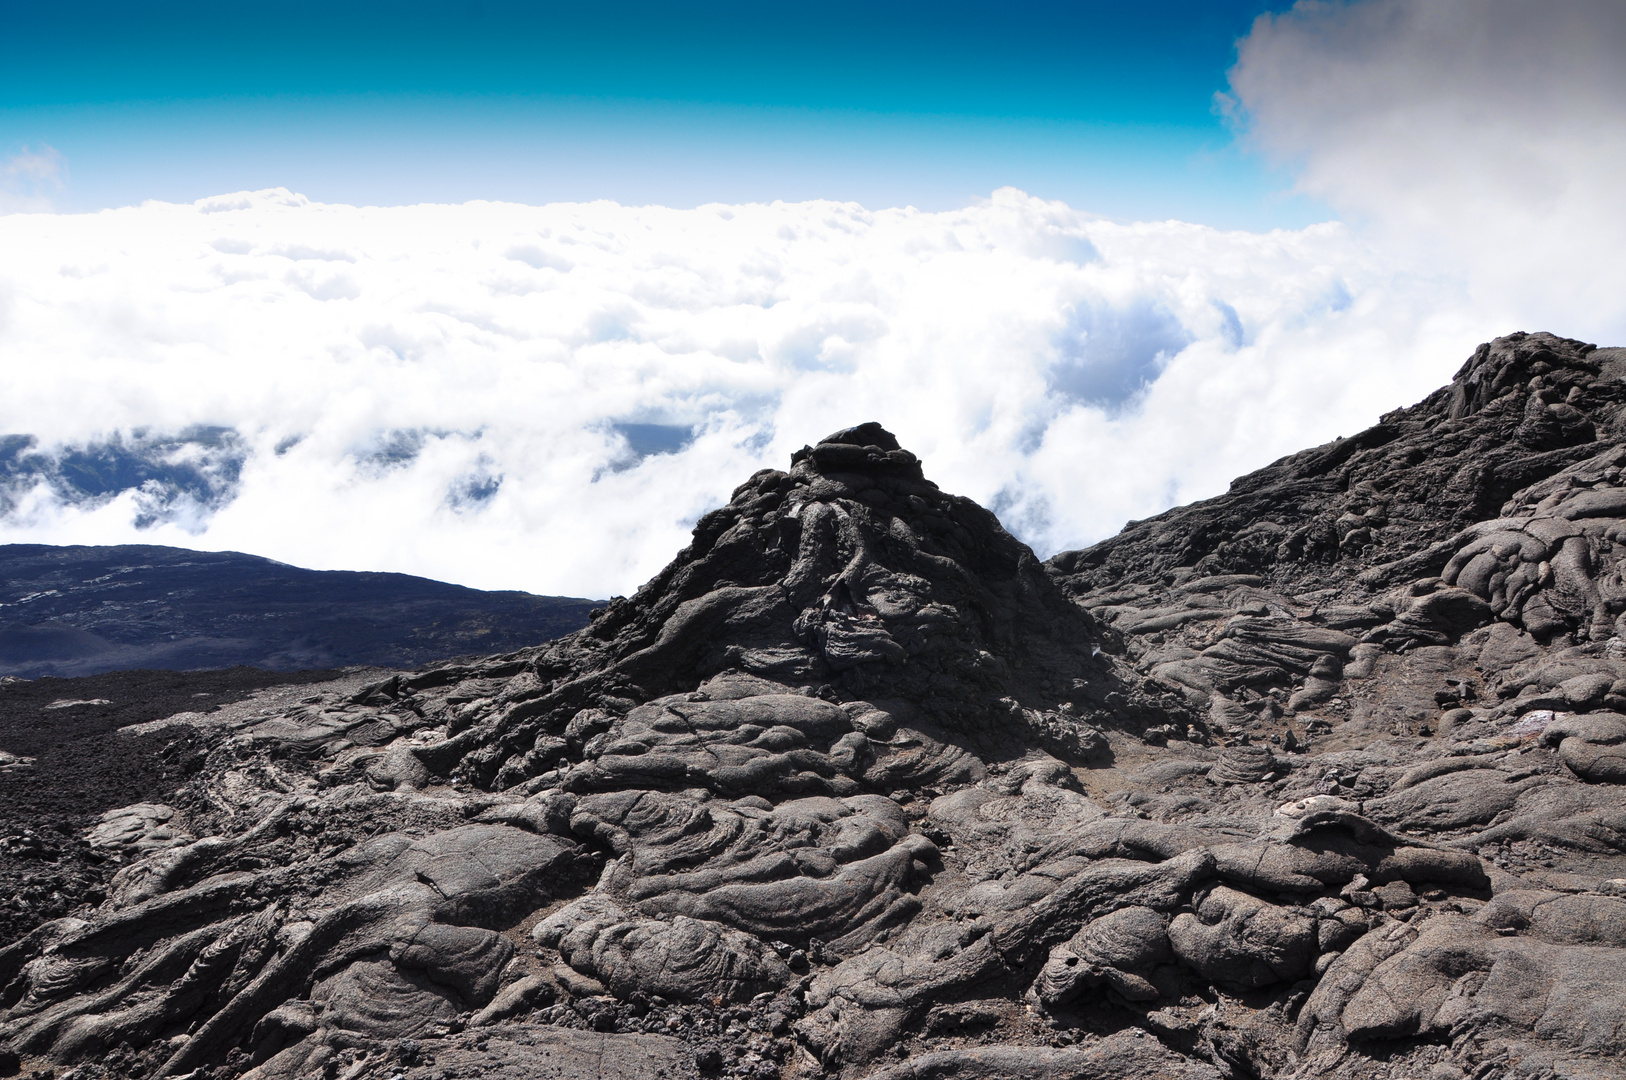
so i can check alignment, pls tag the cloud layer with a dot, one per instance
(1485, 138)
(547, 397)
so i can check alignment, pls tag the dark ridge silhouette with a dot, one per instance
(82, 610)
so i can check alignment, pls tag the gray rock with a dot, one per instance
(1316, 778)
(142, 827)
(1127, 1054)
(682, 959)
(1240, 940)
(1111, 951)
(538, 1052)
(1244, 765)
(1456, 973)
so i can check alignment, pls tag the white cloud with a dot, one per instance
(456, 391)
(29, 177)
(465, 391)
(1485, 138)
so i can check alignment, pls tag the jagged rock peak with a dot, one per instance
(867, 448)
(848, 575)
(1504, 365)
(866, 434)
(1522, 408)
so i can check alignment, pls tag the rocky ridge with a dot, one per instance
(1321, 778)
(76, 611)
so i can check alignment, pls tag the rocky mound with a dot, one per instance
(1322, 778)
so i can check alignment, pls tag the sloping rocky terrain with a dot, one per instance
(72, 611)
(76, 748)
(1323, 778)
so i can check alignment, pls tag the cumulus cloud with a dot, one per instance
(29, 178)
(547, 397)
(1485, 139)
(178, 478)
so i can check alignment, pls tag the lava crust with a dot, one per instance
(1323, 778)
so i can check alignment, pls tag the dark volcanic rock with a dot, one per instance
(1521, 410)
(83, 610)
(1321, 779)
(73, 749)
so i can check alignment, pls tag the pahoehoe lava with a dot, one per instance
(1321, 778)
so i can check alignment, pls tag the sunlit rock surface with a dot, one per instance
(1321, 778)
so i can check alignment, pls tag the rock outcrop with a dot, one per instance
(1321, 778)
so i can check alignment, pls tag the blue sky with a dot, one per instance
(1109, 107)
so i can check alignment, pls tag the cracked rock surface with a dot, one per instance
(1322, 778)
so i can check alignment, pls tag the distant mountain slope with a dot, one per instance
(84, 610)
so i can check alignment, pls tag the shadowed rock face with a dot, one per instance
(1321, 778)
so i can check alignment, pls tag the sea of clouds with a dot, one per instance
(546, 398)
